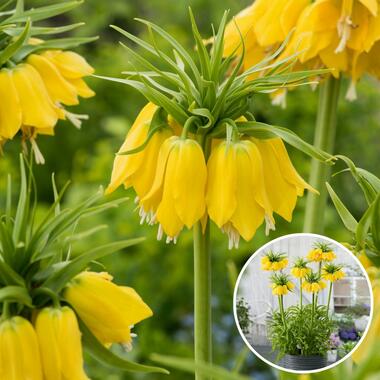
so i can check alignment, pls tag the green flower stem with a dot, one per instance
(312, 308)
(202, 286)
(281, 304)
(300, 292)
(329, 298)
(202, 297)
(324, 139)
(6, 313)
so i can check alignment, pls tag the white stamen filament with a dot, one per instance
(75, 119)
(37, 153)
(351, 92)
(269, 225)
(344, 31)
(233, 235)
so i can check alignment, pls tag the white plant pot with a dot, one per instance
(332, 356)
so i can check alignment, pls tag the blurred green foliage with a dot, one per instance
(162, 273)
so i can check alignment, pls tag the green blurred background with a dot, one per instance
(161, 273)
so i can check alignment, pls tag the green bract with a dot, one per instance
(366, 231)
(18, 25)
(39, 258)
(210, 94)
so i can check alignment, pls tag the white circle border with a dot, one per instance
(268, 361)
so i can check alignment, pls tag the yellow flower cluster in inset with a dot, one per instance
(280, 290)
(313, 287)
(321, 252)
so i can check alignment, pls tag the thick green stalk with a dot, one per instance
(202, 297)
(329, 297)
(281, 304)
(300, 292)
(324, 139)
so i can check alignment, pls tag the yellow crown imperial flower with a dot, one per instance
(313, 287)
(180, 184)
(60, 344)
(315, 254)
(281, 284)
(332, 272)
(328, 256)
(107, 309)
(300, 272)
(282, 182)
(138, 169)
(273, 261)
(19, 351)
(236, 197)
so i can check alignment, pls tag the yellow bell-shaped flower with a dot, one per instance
(236, 198)
(282, 182)
(19, 352)
(73, 68)
(10, 108)
(59, 339)
(108, 310)
(180, 183)
(138, 170)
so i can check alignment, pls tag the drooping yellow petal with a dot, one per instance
(248, 215)
(60, 90)
(190, 183)
(47, 328)
(155, 193)
(37, 108)
(287, 168)
(10, 109)
(125, 166)
(70, 346)
(221, 184)
(371, 5)
(70, 64)
(108, 310)
(281, 194)
(166, 213)
(81, 88)
(142, 178)
(19, 352)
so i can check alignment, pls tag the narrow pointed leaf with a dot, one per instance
(17, 294)
(99, 352)
(348, 220)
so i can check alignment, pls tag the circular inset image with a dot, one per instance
(303, 303)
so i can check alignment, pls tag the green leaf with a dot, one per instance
(57, 281)
(35, 31)
(177, 46)
(8, 276)
(155, 97)
(348, 220)
(206, 370)
(13, 47)
(375, 223)
(99, 352)
(60, 43)
(361, 178)
(364, 226)
(42, 13)
(15, 294)
(266, 131)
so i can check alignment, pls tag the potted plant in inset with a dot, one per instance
(301, 333)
